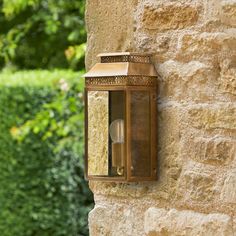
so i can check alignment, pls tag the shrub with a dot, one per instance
(42, 192)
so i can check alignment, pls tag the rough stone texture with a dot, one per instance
(114, 220)
(228, 12)
(214, 117)
(194, 46)
(169, 16)
(104, 18)
(228, 193)
(160, 222)
(197, 184)
(213, 150)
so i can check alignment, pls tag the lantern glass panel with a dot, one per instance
(116, 133)
(140, 134)
(106, 133)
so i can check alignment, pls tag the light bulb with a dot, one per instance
(117, 131)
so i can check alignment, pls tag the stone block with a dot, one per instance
(116, 220)
(228, 193)
(192, 81)
(161, 222)
(228, 12)
(213, 151)
(227, 78)
(213, 117)
(204, 46)
(173, 16)
(197, 183)
(97, 222)
(197, 81)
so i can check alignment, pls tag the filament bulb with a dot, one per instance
(117, 131)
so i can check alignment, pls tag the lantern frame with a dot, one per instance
(140, 76)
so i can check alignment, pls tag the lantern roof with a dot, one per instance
(123, 64)
(105, 54)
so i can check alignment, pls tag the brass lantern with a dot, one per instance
(120, 117)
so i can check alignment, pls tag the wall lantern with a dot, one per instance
(120, 118)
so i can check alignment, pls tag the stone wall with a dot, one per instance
(194, 46)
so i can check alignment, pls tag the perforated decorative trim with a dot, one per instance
(122, 80)
(126, 58)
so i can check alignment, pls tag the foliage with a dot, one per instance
(37, 33)
(42, 192)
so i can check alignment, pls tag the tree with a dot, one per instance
(42, 33)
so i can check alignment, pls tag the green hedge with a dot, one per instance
(42, 191)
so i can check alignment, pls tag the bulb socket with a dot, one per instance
(117, 154)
